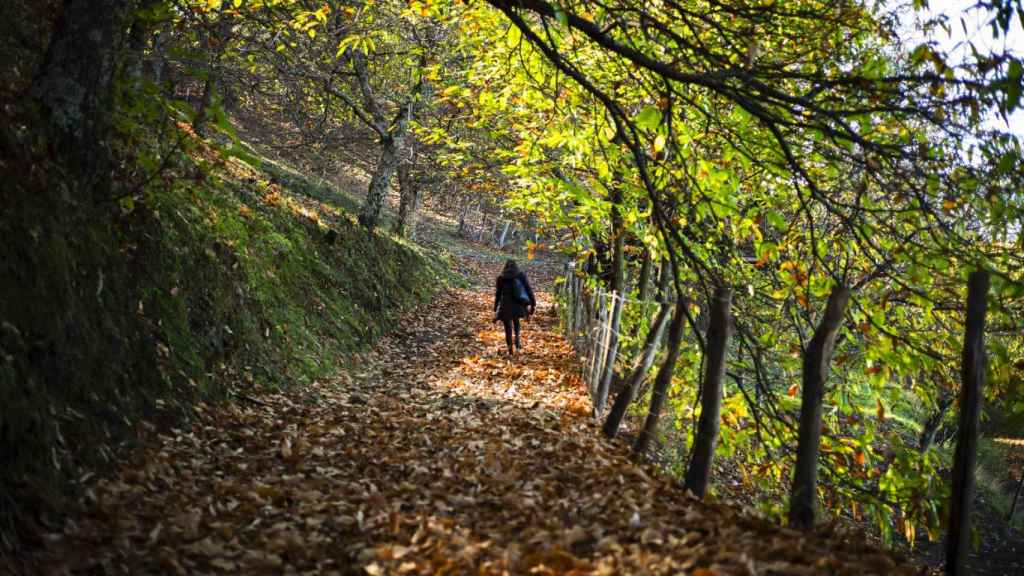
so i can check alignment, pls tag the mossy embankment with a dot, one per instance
(120, 316)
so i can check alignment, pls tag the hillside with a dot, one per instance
(233, 279)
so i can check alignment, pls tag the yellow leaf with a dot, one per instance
(659, 143)
(880, 410)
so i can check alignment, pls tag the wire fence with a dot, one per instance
(585, 315)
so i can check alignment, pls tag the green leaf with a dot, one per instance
(1013, 88)
(1007, 162)
(649, 118)
(775, 219)
(560, 16)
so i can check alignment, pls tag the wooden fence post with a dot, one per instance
(611, 353)
(972, 381)
(597, 350)
(817, 357)
(628, 393)
(711, 395)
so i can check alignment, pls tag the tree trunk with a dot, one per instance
(618, 289)
(972, 376)
(932, 424)
(711, 395)
(405, 225)
(493, 233)
(646, 266)
(663, 380)
(74, 83)
(817, 357)
(481, 229)
(138, 39)
(664, 281)
(628, 393)
(199, 122)
(463, 220)
(1016, 496)
(215, 47)
(158, 62)
(379, 183)
(504, 234)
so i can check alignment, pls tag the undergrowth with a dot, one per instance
(118, 316)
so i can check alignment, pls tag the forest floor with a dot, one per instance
(435, 453)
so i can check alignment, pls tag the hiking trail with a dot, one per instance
(435, 453)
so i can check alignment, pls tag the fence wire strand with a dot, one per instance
(585, 315)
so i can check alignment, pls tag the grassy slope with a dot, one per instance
(228, 277)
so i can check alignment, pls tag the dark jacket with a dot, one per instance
(505, 303)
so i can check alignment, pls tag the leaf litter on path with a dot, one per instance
(434, 454)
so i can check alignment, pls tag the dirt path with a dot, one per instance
(435, 455)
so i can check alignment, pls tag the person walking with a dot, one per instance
(513, 299)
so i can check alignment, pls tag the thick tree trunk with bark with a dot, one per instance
(618, 288)
(75, 82)
(405, 225)
(628, 393)
(711, 395)
(391, 134)
(972, 382)
(663, 380)
(817, 357)
(379, 183)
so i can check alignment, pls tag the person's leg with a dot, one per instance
(508, 332)
(519, 346)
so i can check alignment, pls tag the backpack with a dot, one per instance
(519, 291)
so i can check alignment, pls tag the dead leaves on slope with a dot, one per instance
(436, 455)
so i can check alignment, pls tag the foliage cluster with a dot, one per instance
(779, 151)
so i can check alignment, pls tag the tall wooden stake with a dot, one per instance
(972, 381)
